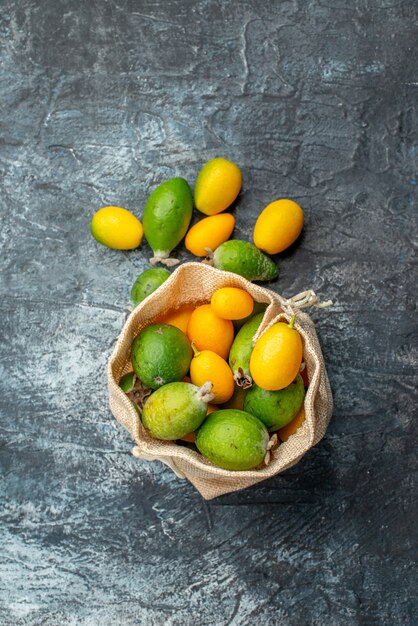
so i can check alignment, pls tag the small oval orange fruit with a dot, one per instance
(217, 185)
(116, 228)
(232, 303)
(278, 226)
(276, 357)
(209, 233)
(209, 366)
(285, 432)
(190, 437)
(208, 331)
(178, 317)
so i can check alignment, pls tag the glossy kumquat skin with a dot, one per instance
(209, 366)
(178, 317)
(209, 233)
(278, 226)
(232, 303)
(116, 228)
(208, 331)
(217, 185)
(276, 357)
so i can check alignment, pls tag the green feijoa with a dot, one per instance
(240, 352)
(127, 382)
(167, 216)
(160, 354)
(176, 409)
(147, 282)
(243, 258)
(275, 408)
(233, 439)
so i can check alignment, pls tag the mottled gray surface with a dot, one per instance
(100, 101)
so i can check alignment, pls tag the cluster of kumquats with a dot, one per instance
(197, 375)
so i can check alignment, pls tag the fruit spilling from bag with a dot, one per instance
(220, 362)
(205, 383)
(214, 368)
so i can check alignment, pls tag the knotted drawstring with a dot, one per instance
(306, 299)
(290, 306)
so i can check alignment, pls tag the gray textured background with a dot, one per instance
(102, 100)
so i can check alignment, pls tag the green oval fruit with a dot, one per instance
(243, 258)
(276, 408)
(176, 409)
(241, 349)
(160, 354)
(233, 439)
(147, 282)
(167, 216)
(127, 382)
(259, 307)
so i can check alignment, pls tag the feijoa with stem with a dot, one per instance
(167, 216)
(243, 258)
(234, 440)
(160, 354)
(275, 408)
(241, 349)
(176, 409)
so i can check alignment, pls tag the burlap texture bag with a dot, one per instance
(194, 283)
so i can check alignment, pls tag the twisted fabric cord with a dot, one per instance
(306, 299)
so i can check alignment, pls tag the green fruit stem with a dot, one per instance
(195, 350)
(292, 321)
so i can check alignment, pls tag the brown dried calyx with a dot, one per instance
(205, 392)
(274, 440)
(169, 262)
(138, 394)
(208, 260)
(242, 379)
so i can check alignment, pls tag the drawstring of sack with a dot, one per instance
(306, 299)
